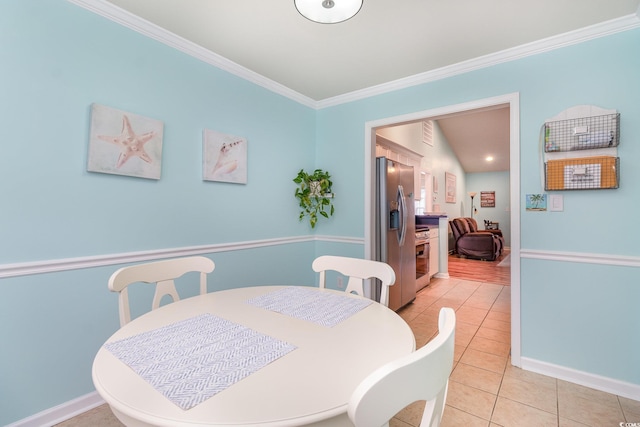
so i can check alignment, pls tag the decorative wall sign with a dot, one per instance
(224, 157)
(450, 187)
(487, 199)
(123, 143)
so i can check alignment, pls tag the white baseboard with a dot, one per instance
(62, 412)
(608, 385)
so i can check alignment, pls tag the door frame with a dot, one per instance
(513, 101)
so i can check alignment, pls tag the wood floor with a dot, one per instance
(480, 271)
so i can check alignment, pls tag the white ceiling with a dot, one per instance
(386, 41)
(388, 44)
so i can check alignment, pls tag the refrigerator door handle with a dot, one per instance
(403, 215)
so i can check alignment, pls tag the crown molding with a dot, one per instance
(602, 29)
(144, 27)
(153, 31)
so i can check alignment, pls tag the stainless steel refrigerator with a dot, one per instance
(395, 228)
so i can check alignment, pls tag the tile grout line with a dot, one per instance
(495, 403)
(557, 402)
(467, 347)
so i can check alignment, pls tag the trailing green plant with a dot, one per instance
(314, 195)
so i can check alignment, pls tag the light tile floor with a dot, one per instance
(97, 417)
(484, 389)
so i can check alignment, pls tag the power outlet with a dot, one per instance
(340, 282)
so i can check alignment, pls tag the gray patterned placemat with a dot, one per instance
(191, 360)
(322, 308)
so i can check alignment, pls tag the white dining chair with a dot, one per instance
(421, 375)
(162, 273)
(358, 271)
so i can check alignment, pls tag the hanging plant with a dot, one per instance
(314, 195)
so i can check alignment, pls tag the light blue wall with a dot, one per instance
(602, 72)
(492, 181)
(67, 58)
(58, 59)
(583, 316)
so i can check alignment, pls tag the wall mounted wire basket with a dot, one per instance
(584, 133)
(584, 173)
(580, 149)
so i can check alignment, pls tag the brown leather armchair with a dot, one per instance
(475, 244)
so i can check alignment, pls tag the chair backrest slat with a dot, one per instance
(358, 270)
(162, 273)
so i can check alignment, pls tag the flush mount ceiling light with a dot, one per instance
(328, 11)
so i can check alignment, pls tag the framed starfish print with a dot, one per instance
(224, 157)
(123, 143)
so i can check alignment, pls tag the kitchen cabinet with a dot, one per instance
(434, 250)
(394, 151)
(438, 224)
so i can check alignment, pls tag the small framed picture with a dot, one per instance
(124, 143)
(224, 157)
(536, 202)
(450, 187)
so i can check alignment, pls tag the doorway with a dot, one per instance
(513, 102)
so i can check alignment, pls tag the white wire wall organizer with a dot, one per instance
(580, 149)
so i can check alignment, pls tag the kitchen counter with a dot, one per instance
(439, 221)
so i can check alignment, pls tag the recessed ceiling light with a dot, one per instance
(489, 158)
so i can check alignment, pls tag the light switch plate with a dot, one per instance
(556, 203)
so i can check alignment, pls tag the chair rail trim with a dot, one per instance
(67, 264)
(587, 258)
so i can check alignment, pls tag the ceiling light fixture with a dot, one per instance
(489, 159)
(328, 11)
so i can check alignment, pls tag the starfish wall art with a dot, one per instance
(224, 157)
(124, 143)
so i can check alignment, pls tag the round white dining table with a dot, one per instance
(310, 385)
